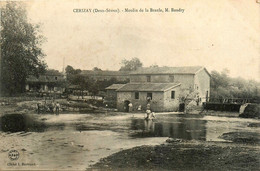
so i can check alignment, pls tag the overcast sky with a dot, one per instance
(215, 34)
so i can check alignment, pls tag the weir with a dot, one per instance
(232, 104)
(233, 107)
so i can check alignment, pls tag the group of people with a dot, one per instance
(53, 107)
(148, 114)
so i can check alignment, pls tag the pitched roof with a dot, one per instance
(115, 86)
(105, 73)
(148, 87)
(53, 72)
(167, 70)
(45, 78)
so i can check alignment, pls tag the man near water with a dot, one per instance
(149, 113)
(57, 108)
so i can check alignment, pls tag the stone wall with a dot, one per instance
(186, 80)
(172, 105)
(202, 84)
(111, 95)
(121, 97)
(157, 102)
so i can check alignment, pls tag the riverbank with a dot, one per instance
(48, 138)
(29, 105)
(185, 155)
(76, 141)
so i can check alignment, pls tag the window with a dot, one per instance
(150, 96)
(173, 95)
(171, 78)
(136, 95)
(148, 78)
(56, 78)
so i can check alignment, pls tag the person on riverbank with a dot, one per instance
(149, 113)
(38, 108)
(139, 109)
(52, 105)
(130, 106)
(57, 108)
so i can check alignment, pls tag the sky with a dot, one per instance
(215, 34)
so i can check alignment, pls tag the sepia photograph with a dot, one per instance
(130, 85)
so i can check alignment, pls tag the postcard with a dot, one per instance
(129, 85)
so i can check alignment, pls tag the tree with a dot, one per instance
(70, 70)
(154, 66)
(189, 98)
(130, 65)
(96, 69)
(21, 54)
(222, 86)
(83, 82)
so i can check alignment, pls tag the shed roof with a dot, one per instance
(115, 86)
(167, 70)
(161, 87)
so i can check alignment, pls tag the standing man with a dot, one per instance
(52, 107)
(38, 108)
(130, 105)
(57, 108)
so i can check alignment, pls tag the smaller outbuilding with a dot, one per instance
(111, 94)
(161, 96)
(53, 82)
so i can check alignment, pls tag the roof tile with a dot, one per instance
(167, 70)
(115, 86)
(148, 86)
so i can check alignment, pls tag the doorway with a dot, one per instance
(126, 105)
(181, 107)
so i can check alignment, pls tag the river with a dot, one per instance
(76, 141)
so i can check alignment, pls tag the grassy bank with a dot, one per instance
(193, 155)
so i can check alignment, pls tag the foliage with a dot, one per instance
(131, 65)
(223, 86)
(187, 95)
(21, 54)
(52, 72)
(74, 77)
(100, 85)
(97, 69)
(154, 66)
(70, 70)
(189, 98)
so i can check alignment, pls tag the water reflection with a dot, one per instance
(182, 128)
(188, 127)
(22, 122)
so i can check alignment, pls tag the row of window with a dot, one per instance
(150, 95)
(171, 78)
